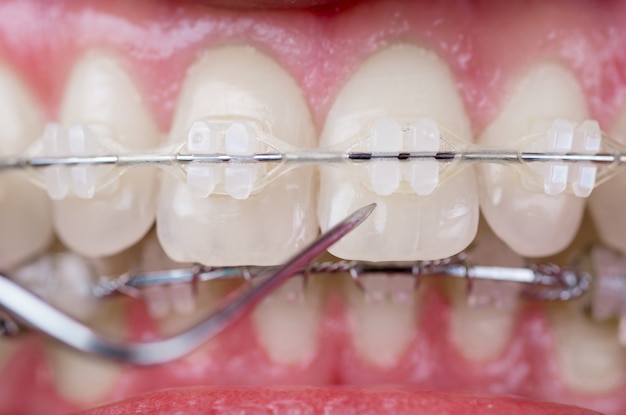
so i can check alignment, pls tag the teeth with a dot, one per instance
(516, 212)
(287, 322)
(64, 280)
(608, 200)
(101, 93)
(178, 306)
(84, 379)
(25, 217)
(390, 88)
(482, 320)
(590, 358)
(240, 227)
(384, 311)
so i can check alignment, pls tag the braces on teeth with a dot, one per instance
(239, 156)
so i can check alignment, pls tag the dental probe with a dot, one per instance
(31, 310)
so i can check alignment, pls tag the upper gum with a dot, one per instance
(481, 65)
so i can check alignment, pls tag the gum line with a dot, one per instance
(235, 358)
(157, 43)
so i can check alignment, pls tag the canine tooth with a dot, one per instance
(386, 176)
(607, 201)
(264, 227)
(287, 323)
(25, 212)
(100, 92)
(590, 358)
(384, 321)
(387, 85)
(516, 212)
(423, 175)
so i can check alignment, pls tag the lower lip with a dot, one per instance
(328, 401)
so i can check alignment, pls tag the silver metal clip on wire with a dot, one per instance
(26, 308)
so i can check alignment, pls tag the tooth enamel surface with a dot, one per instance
(417, 223)
(530, 221)
(384, 316)
(287, 322)
(590, 358)
(608, 200)
(482, 321)
(84, 379)
(238, 227)
(101, 94)
(25, 212)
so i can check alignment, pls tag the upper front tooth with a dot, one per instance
(530, 221)
(100, 91)
(390, 87)
(224, 107)
(25, 217)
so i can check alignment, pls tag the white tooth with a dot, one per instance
(71, 370)
(385, 313)
(608, 200)
(590, 358)
(64, 280)
(100, 92)
(516, 212)
(423, 176)
(25, 218)
(266, 226)
(386, 176)
(391, 84)
(287, 322)
(482, 321)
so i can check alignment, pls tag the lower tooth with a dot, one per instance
(481, 331)
(64, 280)
(590, 358)
(84, 379)
(484, 313)
(384, 314)
(287, 322)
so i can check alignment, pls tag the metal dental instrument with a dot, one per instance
(31, 310)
